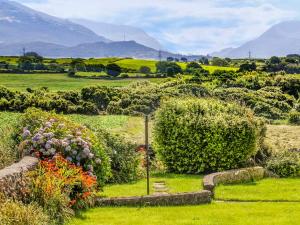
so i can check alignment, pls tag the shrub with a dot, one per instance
(113, 69)
(48, 134)
(285, 164)
(60, 186)
(16, 213)
(125, 160)
(203, 135)
(294, 117)
(145, 70)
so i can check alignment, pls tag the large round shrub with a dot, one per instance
(203, 135)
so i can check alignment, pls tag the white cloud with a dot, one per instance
(186, 24)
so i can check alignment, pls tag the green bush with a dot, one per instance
(294, 117)
(285, 164)
(125, 160)
(16, 213)
(204, 135)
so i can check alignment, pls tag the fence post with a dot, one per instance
(147, 152)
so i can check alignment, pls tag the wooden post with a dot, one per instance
(147, 152)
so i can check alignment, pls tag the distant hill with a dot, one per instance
(280, 40)
(88, 50)
(19, 23)
(119, 32)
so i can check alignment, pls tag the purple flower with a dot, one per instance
(26, 133)
(69, 159)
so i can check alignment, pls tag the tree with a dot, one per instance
(35, 57)
(170, 59)
(145, 70)
(113, 69)
(192, 66)
(247, 67)
(25, 63)
(162, 67)
(184, 59)
(275, 60)
(216, 61)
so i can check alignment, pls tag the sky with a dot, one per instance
(183, 26)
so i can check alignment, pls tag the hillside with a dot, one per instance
(20, 24)
(280, 40)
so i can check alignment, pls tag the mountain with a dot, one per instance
(19, 23)
(120, 32)
(280, 40)
(88, 50)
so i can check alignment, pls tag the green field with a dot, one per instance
(213, 214)
(61, 82)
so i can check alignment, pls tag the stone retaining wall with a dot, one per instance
(193, 198)
(12, 182)
(233, 176)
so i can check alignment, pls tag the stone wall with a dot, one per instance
(192, 198)
(12, 181)
(233, 176)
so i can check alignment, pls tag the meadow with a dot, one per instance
(61, 82)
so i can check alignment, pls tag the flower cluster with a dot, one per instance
(58, 175)
(54, 137)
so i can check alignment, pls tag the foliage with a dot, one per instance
(113, 69)
(286, 164)
(126, 162)
(8, 154)
(219, 62)
(46, 134)
(145, 69)
(294, 117)
(202, 135)
(60, 186)
(267, 102)
(247, 67)
(168, 68)
(17, 213)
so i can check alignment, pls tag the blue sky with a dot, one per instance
(184, 26)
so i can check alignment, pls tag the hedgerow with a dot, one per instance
(204, 135)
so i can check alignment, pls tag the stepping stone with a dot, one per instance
(160, 188)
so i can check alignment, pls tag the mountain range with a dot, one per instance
(120, 33)
(24, 28)
(280, 40)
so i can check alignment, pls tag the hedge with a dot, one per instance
(205, 135)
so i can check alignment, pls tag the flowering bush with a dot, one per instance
(47, 134)
(60, 186)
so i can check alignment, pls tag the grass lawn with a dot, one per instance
(267, 189)
(61, 82)
(213, 214)
(175, 183)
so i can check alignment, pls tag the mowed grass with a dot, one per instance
(283, 137)
(263, 190)
(213, 214)
(175, 183)
(61, 82)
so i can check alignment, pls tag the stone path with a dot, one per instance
(160, 188)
